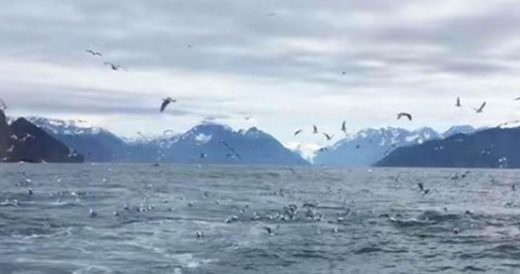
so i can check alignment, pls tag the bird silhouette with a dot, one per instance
(458, 104)
(328, 136)
(166, 102)
(344, 128)
(114, 66)
(314, 129)
(94, 53)
(298, 132)
(481, 108)
(404, 114)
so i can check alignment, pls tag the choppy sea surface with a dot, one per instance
(227, 219)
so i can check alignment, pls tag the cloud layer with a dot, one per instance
(281, 62)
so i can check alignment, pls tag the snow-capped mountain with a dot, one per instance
(490, 148)
(96, 144)
(64, 127)
(205, 143)
(465, 129)
(220, 144)
(371, 145)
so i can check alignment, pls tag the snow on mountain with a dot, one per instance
(65, 127)
(464, 129)
(370, 145)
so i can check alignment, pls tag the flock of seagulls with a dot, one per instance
(106, 63)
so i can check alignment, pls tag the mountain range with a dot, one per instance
(368, 146)
(489, 148)
(213, 143)
(209, 143)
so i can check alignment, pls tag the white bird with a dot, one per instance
(166, 102)
(404, 114)
(481, 108)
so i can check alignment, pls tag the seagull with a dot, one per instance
(481, 108)
(298, 132)
(328, 136)
(516, 99)
(421, 186)
(94, 53)
(203, 155)
(166, 102)
(344, 72)
(404, 114)
(344, 127)
(422, 189)
(114, 66)
(458, 104)
(270, 230)
(315, 129)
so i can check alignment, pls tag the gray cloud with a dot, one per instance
(386, 47)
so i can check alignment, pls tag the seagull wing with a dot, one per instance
(164, 104)
(344, 126)
(481, 108)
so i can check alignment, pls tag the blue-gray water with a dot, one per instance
(324, 220)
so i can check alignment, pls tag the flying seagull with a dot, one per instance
(481, 108)
(314, 129)
(114, 66)
(404, 114)
(516, 99)
(94, 53)
(166, 102)
(298, 132)
(344, 127)
(328, 136)
(458, 104)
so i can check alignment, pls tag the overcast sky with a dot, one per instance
(280, 62)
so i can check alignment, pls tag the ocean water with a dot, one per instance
(222, 219)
